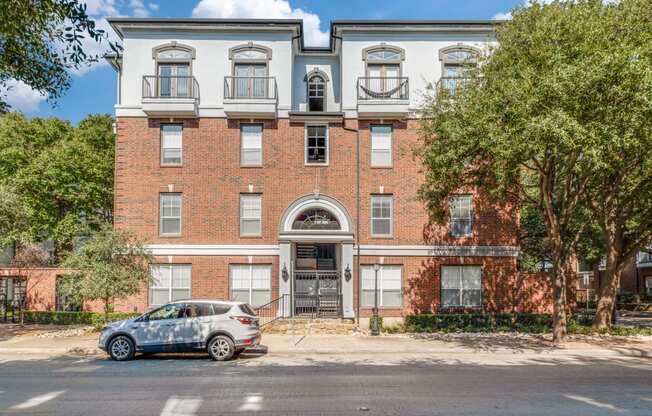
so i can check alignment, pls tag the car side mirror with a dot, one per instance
(143, 318)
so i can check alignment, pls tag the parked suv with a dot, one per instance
(223, 329)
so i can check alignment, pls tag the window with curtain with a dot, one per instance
(461, 224)
(170, 214)
(381, 146)
(170, 282)
(251, 283)
(251, 138)
(390, 286)
(381, 215)
(250, 214)
(461, 286)
(171, 145)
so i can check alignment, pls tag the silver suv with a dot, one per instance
(223, 329)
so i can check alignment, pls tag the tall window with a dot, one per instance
(171, 145)
(316, 93)
(381, 146)
(383, 80)
(316, 145)
(251, 283)
(250, 71)
(170, 282)
(390, 291)
(170, 214)
(381, 215)
(63, 302)
(457, 64)
(461, 286)
(251, 140)
(250, 215)
(461, 224)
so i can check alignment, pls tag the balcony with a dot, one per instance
(250, 97)
(383, 97)
(452, 85)
(170, 96)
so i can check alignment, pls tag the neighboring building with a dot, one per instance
(258, 167)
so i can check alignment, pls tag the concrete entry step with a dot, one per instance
(319, 326)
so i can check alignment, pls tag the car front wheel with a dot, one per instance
(121, 348)
(221, 348)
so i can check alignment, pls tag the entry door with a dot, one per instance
(250, 81)
(174, 80)
(383, 78)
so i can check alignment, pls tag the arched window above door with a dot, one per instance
(250, 71)
(315, 219)
(174, 70)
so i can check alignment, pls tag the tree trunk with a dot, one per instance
(559, 319)
(607, 297)
(107, 309)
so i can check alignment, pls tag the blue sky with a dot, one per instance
(93, 89)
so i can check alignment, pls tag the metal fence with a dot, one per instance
(250, 88)
(12, 298)
(383, 88)
(276, 309)
(170, 86)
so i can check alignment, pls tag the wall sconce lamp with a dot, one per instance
(347, 273)
(285, 274)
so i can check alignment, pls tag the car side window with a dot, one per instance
(171, 311)
(220, 309)
(199, 309)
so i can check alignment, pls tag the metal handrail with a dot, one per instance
(274, 310)
(451, 85)
(383, 88)
(250, 87)
(170, 86)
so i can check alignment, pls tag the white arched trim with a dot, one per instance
(316, 201)
(173, 45)
(318, 72)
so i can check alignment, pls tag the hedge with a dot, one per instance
(479, 322)
(75, 318)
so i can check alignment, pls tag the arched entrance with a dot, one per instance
(316, 257)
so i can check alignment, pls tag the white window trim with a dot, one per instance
(305, 145)
(380, 286)
(391, 147)
(170, 288)
(262, 138)
(163, 163)
(260, 219)
(391, 216)
(160, 215)
(251, 279)
(441, 287)
(471, 216)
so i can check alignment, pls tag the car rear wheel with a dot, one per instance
(221, 348)
(121, 348)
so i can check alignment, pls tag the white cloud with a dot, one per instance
(22, 97)
(101, 7)
(264, 9)
(138, 8)
(502, 16)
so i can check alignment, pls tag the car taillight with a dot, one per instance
(244, 320)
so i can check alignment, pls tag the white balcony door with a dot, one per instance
(250, 81)
(174, 80)
(383, 78)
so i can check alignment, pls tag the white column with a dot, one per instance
(347, 286)
(284, 287)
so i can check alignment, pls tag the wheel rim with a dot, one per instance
(120, 348)
(220, 348)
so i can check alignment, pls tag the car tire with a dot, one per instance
(121, 348)
(221, 348)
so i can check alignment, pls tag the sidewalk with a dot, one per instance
(291, 350)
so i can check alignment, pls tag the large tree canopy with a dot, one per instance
(41, 40)
(63, 174)
(535, 121)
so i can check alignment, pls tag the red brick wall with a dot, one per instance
(211, 181)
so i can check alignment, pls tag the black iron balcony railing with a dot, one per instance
(452, 85)
(170, 86)
(250, 87)
(383, 88)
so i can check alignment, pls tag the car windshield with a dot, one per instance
(247, 309)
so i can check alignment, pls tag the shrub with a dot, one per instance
(75, 318)
(478, 322)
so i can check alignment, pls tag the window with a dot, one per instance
(315, 219)
(63, 302)
(316, 145)
(251, 283)
(170, 211)
(381, 215)
(250, 71)
(173, 311)
(251, 145)
(644, 257)
(171, 144)
(383, 69)
(390, 292)
(461, 216)
(461, 286)
(250, 215)
(169, 282)
(457, 64)
(648, 285)
(316, 93)
(381, 146)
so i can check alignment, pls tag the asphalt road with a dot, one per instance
(168, 385)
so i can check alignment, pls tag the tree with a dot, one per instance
(525, 127)
(111, 264)
(41, 40)
(13, 217)
(63, 174)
